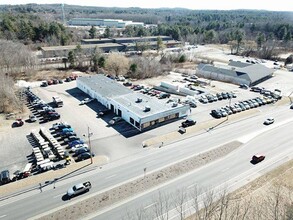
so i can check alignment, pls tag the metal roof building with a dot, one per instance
(236, 72)
(139, 110)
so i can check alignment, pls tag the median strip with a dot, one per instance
(150, 180)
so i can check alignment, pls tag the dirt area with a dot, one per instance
(49, 74)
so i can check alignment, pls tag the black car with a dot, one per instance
(84, 156)
(216, 114)
(4, 177)
(187, 123)
(50, 116)
(80, 151)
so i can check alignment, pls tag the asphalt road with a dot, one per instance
(271, 140)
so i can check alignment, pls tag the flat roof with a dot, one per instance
(127, 98)
(105, 86)
(151, 43)
(156, 106)
(97, 39)
(137, 38)
(83, 46)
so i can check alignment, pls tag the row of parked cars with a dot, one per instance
(240, 106)
(58, 81)
(40, 108)
(218, 96)
(76, 146)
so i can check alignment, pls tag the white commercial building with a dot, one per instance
(102, 22)
(139, 110)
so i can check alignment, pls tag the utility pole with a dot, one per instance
(89, 134)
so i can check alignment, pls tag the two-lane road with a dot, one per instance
(36, 202)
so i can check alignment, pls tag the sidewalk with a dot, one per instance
(160, 141)
(33, 182)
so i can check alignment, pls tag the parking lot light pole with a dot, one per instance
(89, 134)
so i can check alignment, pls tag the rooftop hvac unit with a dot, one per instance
(138, 100)
(174, 104)
(147, 109)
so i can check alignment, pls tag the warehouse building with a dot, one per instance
(102, 22)
(139, 110)
(236, 73)
(62, 51)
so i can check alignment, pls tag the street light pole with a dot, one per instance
(89, 134)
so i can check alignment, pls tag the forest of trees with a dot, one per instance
(33, 23)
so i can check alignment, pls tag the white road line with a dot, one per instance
(110, 176)
(2, 216)
(59, 195)
(150, 205)
(190, 186)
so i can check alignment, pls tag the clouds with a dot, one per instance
(280, 5)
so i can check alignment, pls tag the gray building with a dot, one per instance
(139, 110)
(62, 51)
(236, 73)
(117, 23)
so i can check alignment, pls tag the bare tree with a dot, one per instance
(162, 206)
(180, 202)
(117, 63)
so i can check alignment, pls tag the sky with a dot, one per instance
(280, 5)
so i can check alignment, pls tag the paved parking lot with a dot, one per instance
(121, 140)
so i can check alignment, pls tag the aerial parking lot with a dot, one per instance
(91, 122)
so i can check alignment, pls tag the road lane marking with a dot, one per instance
(190, 186)
(150, 205)
(110, 176)
(2, 216)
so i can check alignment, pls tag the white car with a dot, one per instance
(85, 101)
(269, 121)
(78, 146)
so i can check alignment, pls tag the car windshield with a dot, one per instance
(74, 188)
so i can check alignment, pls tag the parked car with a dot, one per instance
(103, 112)
(60, 126)
(216, 114)
(84, 156)
(33, 118)
(187, 123)
(257, 158)
(243, 86)
(164, 95)
(4, 177)
(80, 151)
(78, 146)
(85, 101)
(71, 138)
(79, 189)
(291, 106)
(269, 121)
(18, 123)
(44, 84)
(127, 84)
(115, 120)
(75, 142)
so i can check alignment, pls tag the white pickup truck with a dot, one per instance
(78, 189)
